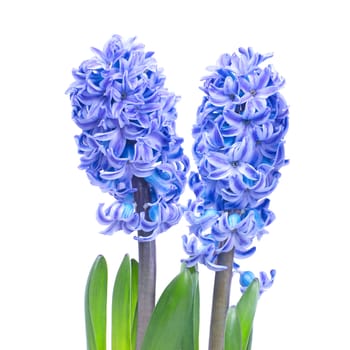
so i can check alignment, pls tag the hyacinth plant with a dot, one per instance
(238, 150)
(130, 149)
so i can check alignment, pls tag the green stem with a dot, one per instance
(147, 265)
(221, 299)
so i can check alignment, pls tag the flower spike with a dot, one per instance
(127, 121)
(239, 151)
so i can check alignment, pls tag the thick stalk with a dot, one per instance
(221, 299)
(147, 265)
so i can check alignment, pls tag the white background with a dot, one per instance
(49, 236)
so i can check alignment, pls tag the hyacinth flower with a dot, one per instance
(239, 151)
(129, 148)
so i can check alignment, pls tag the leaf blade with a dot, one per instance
(245, 309)
(191, 333)
(233, 337)
(171, 315)
(196, 314)
(124, 301)
(134, 300)
(95, 305)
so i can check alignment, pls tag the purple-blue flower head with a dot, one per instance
(239, 151)
(127, 120)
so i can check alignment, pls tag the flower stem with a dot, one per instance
(147, 265)
(221, 299)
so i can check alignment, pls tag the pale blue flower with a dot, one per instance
(257, 88)
(246, 278)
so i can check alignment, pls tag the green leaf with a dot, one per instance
(245, 310)
(191, 334)
(172, 315)
(95, 305)
(249, 346)
(196, 314)
(233, 337)
(134, 298)
(124, 304)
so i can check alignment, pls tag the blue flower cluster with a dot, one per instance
(128, 136)
(239, 150)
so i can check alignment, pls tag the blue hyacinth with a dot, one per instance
(127, 118)
(239, 151)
